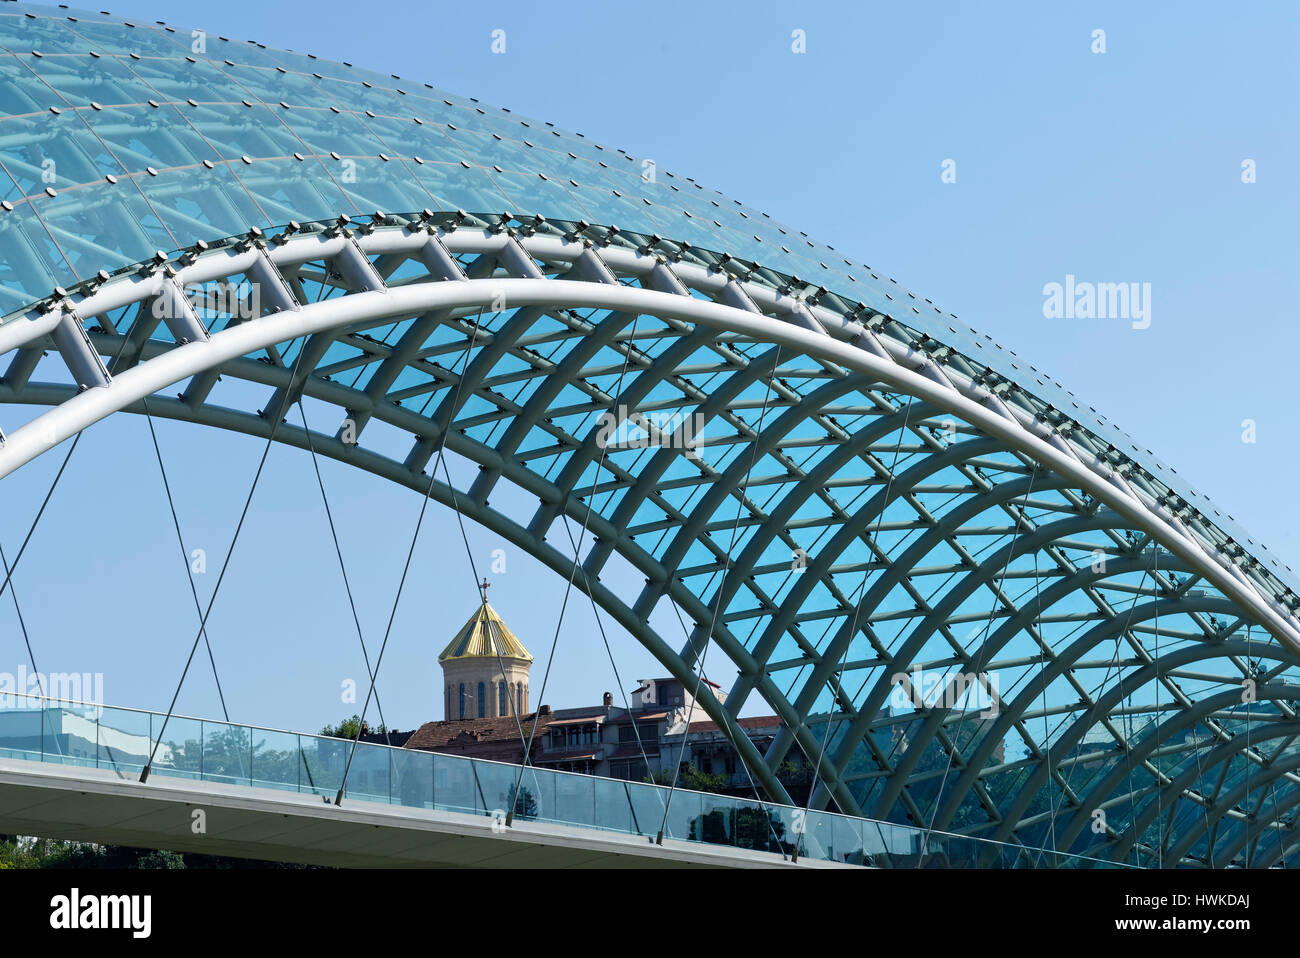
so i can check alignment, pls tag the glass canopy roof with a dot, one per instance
(119, 138)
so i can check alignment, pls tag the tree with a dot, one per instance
(348, 728)
(797, 779)
(525, 804)
(18, 851)
(690, 777)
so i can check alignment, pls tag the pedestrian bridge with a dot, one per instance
(73, 771)
(722, 433)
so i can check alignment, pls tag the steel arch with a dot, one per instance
(1188, 719)
(364, 281)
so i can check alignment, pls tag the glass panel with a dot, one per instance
(647, 807)
(225, 753)
(52, 151)
(844, 842)
(495, 786)
(368, 776)
(82, 80)
(116, 38)
(613, 806)
(454, 785)
(322, 764)
(374, 184)
(21, 92)
(574, 799)
(124, 740)
(289, 189)
(102, 228)
(272, 86)
(762, 828)
(538, 795)
(203, 204)
(776, 832)
(32, 264)
(818, 835)
(412, 778)
(236, 51)
(21, 726)
(275, 761)
(77, 730)
(53, 745)
(180, 748)
(683, 813)
(715, 823)
(145, 136)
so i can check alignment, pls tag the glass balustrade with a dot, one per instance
(125, 740)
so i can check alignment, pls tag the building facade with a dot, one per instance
(659, 726)
(633, 742)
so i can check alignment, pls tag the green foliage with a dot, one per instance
(692, 778)
(525, 804)
(161, 859)
(797, 779)
(27, 852)
(348, 728)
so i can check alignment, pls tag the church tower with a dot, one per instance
(485, 668)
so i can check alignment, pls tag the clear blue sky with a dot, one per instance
(1115, 167)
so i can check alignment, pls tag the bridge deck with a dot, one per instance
(102, 805)
(73, 771)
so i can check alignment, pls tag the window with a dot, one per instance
(501, 698)
(649, 733)
(582, 735)
(519, 697)
(628, 771)
(572, 736)
(482, 701)
(462, 699)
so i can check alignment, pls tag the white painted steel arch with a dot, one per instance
(832, 338)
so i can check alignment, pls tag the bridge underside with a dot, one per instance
(826, 497)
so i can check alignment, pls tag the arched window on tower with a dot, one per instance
(501, 698)
(462, 699)
(519, 697)
(482, 701)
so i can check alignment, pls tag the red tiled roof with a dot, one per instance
(433, 735)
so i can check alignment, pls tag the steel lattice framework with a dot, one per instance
(834, 493)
